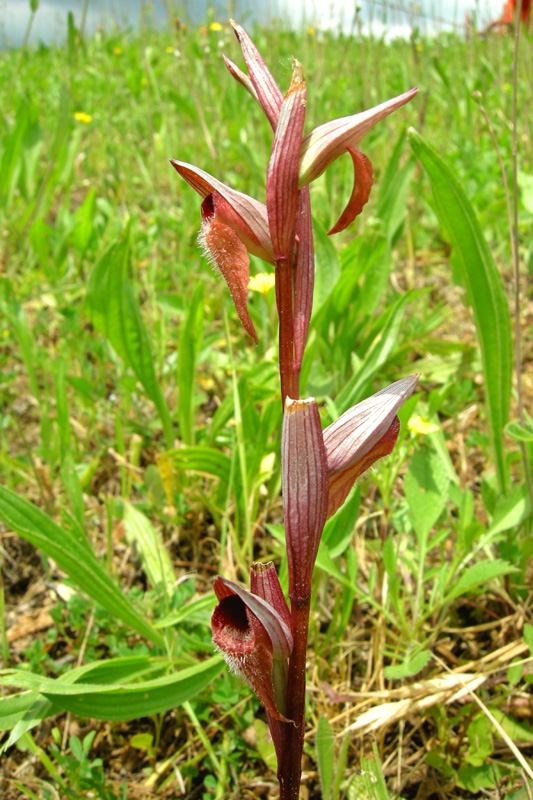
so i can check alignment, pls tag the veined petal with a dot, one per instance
(327, 142)
(264, 583)
(227, 253)
(341, 482)
(362, 185)
(354, 433)
(268, 92)
(241, 77)
(250, 218)
(304, 281)
(304, 485)
(282, 174)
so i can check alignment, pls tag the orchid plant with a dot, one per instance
(263, 639)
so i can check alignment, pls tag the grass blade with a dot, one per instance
(485, 289)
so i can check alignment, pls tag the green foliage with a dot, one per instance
(486, 291)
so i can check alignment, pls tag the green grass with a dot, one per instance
(163, 459)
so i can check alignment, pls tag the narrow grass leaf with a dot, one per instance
(485, 289)
(325, 756)
(116, 702)
(74, 557)
(376, 356)
(189, 345)
(197, 611)
(150, 546)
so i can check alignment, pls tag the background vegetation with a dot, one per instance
(143, 426)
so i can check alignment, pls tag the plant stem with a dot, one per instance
(290, 766)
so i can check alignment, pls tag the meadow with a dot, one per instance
(140, 426)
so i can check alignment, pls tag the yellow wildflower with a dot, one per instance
(311, 32)
(420, 47)
(117, 50)
(215, 26)
(262, 282)
(422, 426)
(81, 116)
(169, 49)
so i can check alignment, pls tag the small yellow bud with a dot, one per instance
(422, 426)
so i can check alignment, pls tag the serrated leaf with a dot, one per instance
(478, 575)
(409, 667)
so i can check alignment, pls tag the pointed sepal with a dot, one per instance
(304, 483)
(363, 434)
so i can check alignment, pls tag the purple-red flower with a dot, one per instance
(253, 631)
(234, 224)
(363, 434)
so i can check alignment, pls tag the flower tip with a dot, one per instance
(292, 406)
(297, 76)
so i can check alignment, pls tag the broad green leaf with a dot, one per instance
(485, 288)
(13, 707)
(426, 489)
(189, 345)
(74, 557)
(116, 702)
(325, 755)
(409, 667)
(150, 546)
(478, 575)
(519, 432)
(29, 718)
(511, 510)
